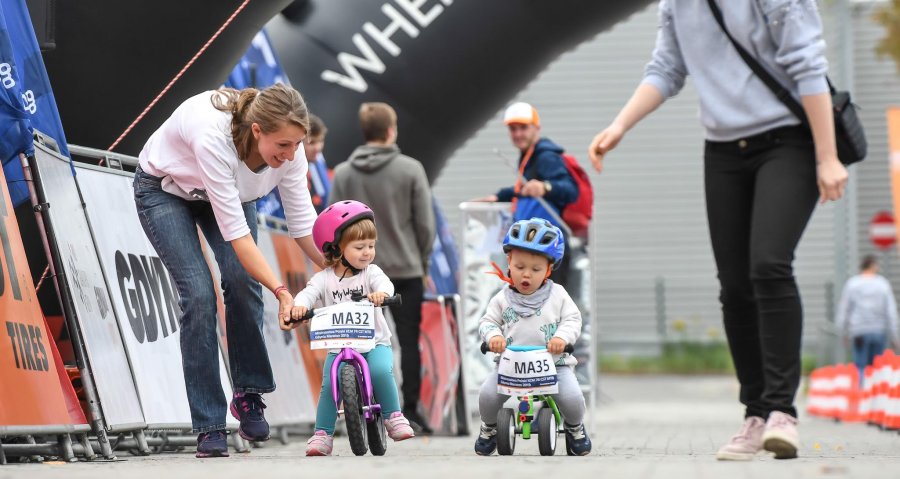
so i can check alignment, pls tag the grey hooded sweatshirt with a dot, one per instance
(397, 190)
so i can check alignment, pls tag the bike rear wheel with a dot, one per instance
(353, 413)
(377, 436)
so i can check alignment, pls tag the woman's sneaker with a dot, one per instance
(486, 443)
(248, 408)
(320, 444)
(746, 443)
(212, 444)
(577, 440)
(398, 427)
(781, 435)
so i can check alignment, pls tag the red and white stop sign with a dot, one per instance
(882, 230)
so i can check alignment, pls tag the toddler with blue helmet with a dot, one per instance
(533, 310)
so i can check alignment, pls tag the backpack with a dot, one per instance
(578, 213)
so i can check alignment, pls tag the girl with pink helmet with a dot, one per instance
(345, 234)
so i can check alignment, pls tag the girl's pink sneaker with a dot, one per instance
(320, 444)
(398, 427)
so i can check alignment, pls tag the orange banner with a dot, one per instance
(893, 127)
(296, 272)
(33, 389)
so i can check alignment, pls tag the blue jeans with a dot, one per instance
(170, 223)
(865, 348)
(381, 368)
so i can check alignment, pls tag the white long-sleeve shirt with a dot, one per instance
(194, 153)
(558, 318)
(326, 288)
(867, 306)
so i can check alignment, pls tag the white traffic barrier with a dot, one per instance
(144, 298)
(84, 278)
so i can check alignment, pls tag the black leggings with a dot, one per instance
(760, 194)
(408, 320)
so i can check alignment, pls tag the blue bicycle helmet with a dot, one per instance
(546, 239)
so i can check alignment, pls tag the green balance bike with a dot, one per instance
(540, 407)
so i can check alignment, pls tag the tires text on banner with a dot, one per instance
(34, 393)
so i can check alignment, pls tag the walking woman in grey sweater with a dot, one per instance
(763, 174)
(867, 314)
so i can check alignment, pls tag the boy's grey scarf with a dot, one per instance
(528, 305)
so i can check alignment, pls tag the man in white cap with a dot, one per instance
(542, 173)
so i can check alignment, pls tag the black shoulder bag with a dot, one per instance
(851, 139)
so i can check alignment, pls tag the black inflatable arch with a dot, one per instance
(445, 65)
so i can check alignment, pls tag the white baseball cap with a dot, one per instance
(521, 112)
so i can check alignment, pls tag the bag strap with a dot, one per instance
(780, 91)
(517, 187)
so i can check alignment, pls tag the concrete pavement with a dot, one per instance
(646, 427)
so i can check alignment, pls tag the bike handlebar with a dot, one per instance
(485, 348)
(394, 300)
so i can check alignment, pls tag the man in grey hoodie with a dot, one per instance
(397, 190)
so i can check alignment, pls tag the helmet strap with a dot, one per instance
(349, 267)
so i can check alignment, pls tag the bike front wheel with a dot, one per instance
(548, 431)
(506, 432)
(353, 413)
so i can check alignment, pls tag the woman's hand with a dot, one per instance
(644, 100)
(377, 297)
(603, 143)
(285, 304)
(832, 178)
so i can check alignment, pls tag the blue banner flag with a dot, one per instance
(26, 98)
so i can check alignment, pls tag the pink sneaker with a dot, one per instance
(781, 435)
(746, 443)
(398, 427)
(320, 444)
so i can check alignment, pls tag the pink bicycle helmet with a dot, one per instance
(331, 223)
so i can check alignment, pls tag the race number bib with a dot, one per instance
(344, 325)
(523, 373)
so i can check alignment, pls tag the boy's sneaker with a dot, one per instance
(418, 423)
(486, 443)
(320, 444)
(577, 440)
(248, 408)
(781, 435)
(746, 443)
(212, 444)
(398, 427)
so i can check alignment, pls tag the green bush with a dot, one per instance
(682, 357)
